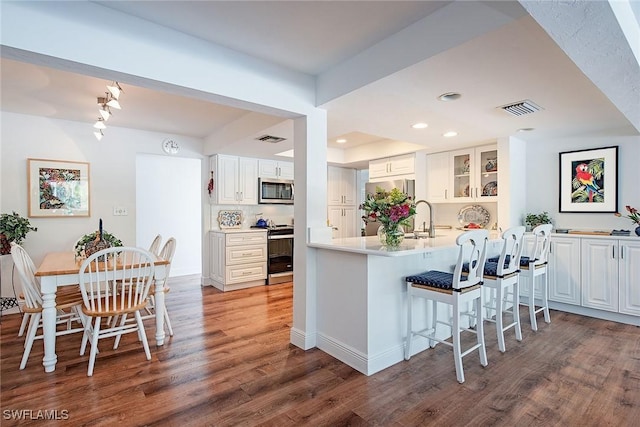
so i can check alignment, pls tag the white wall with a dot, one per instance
(542, 180)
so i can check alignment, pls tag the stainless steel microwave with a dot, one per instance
(275, 191)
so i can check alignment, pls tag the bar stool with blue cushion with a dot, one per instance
(537, 267)
(534, 266)
(456, 290)
(502, 276)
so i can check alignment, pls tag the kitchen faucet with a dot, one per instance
(432, 229)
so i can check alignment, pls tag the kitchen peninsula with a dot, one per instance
(361, 295)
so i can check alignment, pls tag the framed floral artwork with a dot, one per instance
(58, 188)
(589, 180)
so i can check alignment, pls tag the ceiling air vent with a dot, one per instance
(270, 138)
(521, 108)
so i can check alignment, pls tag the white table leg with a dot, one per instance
(49, 325)
(159, 297)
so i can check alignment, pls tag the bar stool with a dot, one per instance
(536, 266)
(502, 276)
(456, 290)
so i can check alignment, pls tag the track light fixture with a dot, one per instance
(105, 104)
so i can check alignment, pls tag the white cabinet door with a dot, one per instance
(343, 219)
(600, 274)
(461, 176)
(227, 179)
(629, 277)
(275, 169)
(564, 270)
(217, 249)
(341, 186)
(486, 173)
(285, 170)
(334, 186)
(402, 165)
(236, 180)
(378, 168)
(392, 166)
(438, 187)
(247, 181)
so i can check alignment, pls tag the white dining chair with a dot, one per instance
(115, 282)
(68, 302)
(155, 244)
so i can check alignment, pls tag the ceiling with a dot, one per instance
(510, 62)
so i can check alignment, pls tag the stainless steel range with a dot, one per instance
(280, 250)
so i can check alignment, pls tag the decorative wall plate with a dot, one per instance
(490, 189)
(476, 214)
(230, 219)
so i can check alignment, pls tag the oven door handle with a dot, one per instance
(283, 236)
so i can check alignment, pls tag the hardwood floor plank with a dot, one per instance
(230, 363)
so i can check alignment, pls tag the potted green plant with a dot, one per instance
(533, 220)
(13, 228)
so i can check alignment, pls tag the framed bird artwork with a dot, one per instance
(589, 180)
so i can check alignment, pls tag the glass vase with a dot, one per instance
(391, 236)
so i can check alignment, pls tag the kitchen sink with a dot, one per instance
(421, 235)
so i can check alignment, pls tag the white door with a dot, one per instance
(600, 274)
(169, 202)
(564, 270)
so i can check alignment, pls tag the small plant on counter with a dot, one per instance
(13, 228)
(534, 220)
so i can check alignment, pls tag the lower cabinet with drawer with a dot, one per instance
(238, 258)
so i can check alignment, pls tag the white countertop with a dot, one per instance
(240, 230)
(371, 245)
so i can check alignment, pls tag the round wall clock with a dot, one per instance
(170, 146)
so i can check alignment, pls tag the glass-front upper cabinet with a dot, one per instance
(469, 175)
(462, 168)
(487, 173)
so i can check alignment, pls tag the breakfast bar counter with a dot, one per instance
(361, 295)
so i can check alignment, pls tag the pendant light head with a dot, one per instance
(115, 89)
(103, 108)
(113, 103)
(100, 124)
(98, 134)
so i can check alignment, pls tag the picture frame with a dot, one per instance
(588, 180)
(58, 188)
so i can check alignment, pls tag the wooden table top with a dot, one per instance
(58, 263)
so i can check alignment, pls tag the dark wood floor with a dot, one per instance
(230, 363)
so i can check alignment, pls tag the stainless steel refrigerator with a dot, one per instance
(405, 185)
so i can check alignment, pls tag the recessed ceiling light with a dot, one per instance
(449, 96)
(525, 129)
(450, 134)
(420, 126)
(341, 141)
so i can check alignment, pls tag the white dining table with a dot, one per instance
(63, 269)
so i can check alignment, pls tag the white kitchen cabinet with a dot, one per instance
(238, 259)
(469, 175)
(236, 180)
(342, 209)
(438, 189)
(275, 169)
(343, 220)
(341, 186)
(600, 274)
(629, 276)
(564, 270)
(392, 166)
